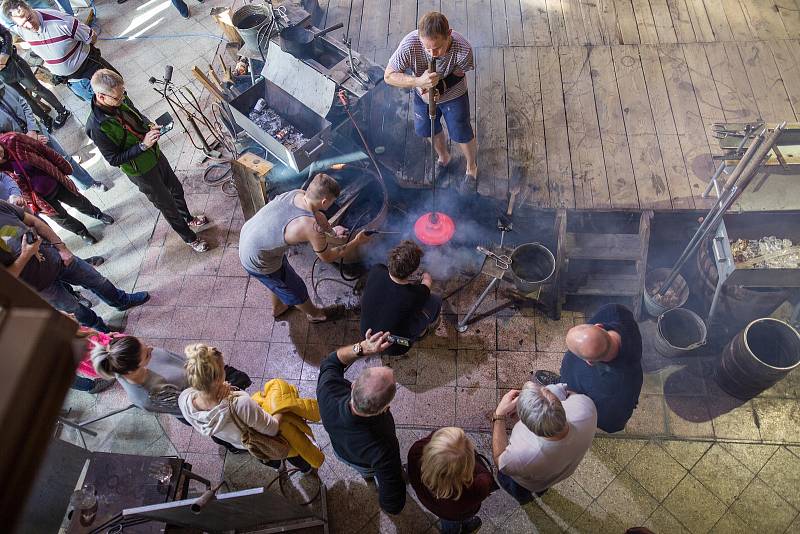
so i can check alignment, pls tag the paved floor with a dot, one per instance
(692, 459)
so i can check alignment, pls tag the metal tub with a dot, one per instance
(311, 125)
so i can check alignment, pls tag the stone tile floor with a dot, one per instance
(691, 460)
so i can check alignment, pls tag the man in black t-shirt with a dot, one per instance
(358, 421)
(394, 303)
(47, 265)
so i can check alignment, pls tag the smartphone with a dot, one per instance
(397, 340)
(165, 122)
(31, 237)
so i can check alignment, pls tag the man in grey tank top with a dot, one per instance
(292, 218)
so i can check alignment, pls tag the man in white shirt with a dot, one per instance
(554, 431)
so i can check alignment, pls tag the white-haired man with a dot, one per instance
(554, 431)
(129, 140)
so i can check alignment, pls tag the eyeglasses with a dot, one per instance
(112, 97)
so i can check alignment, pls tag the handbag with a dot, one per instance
(260, 445)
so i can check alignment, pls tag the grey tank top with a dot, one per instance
(261, 242)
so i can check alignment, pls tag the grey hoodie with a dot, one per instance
(218, 422)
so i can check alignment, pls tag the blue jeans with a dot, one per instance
(182, 8)
(80, 273)
(82, 89)
(428, 315)
(79, 174)
(522, 495)
(365, 472)
(456, 115)
(66, 7)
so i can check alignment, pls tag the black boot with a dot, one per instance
(88, 238)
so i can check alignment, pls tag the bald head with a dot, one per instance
(373, 390)
(590, 342)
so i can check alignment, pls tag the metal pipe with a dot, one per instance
(746, 167)
(462, 325)
(721, 168)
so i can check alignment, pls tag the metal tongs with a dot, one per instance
(502, 262)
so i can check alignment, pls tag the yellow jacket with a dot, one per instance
(281, 397)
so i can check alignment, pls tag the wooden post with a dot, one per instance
(249, 174)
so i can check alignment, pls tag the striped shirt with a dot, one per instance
(63, 42)
(411, 55)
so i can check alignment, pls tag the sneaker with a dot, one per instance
(197, 222)
(83, 301)
(61, 118)
(545, 378)
(95, 261)
(100, 186)
(101, 384)
(88, 238)
(198, 245)
(105, 218)
(135, 299)
(471, 525)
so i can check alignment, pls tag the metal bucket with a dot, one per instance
(532, 264)
(680, 331)
(252, 22)
(654, 305)
(758, 357)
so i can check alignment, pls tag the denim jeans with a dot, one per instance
(82, 274)
(522, 495)
(82, 89)
(79, 174)
(182, 8)
(365, 472)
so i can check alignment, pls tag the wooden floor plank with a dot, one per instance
(374, 33)
(626, 22)
(700, 23)
(663, 21)
(585, 147)
(616, 154)
(790, 15)
(527, 157)
(645, 22)
(705, 92)
(535, 24)
(789, 71)
(516, 36)
(737, 20)
(562, 194)
(765, 79)
(456, 13)
(558, 26)
(682, 21)
(719, 22)
(426, 6)
(763, 19)
(648, 167)
(741, 82)
(479, 20)
(402, 20)
(733, 108)
(499, 25)
(491, 123)
(680, 189)
(342, 11)
(686, 113)
(608, 21)
(573, 18)
(592, 23)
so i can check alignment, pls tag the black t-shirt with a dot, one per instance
(388, 306)
(37, 274)
(614, 386)
(363, 441)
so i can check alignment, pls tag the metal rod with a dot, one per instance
(732, 190)
(717, 290)
(462, 325)
(721, 168)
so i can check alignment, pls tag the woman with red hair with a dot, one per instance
(41, 174)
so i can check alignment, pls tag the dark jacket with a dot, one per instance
(119, 146)
(6, 42)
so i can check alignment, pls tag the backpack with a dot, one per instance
(260, 445)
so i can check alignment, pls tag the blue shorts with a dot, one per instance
(285, 283)
(456, 115)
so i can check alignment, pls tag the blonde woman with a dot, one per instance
(204, 404)
(450, 479)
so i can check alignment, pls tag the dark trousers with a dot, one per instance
(94, 62)
(520, 494)
(164, 190)
(18, 74)
(61, 195)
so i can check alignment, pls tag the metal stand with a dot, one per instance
(81, 426)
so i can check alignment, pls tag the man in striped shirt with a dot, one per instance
(64, 43)
(435, 39)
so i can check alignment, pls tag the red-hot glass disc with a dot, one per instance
(434, 228)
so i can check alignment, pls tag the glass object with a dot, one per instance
(84, 501)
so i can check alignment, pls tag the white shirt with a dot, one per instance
(63, 42)
(537, 463)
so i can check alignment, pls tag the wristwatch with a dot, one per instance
(357, 348)
(496, 417)
(142, 147)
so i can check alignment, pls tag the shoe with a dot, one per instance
(83, 301)
(197, 222)
(88, 238)
(105, 218)
(101, 384)
(121, 1)
(100, 186)
(135, 299)
(198, 245)
(47, 122)
(471, 525)
(61, 118)
(95, 261)
(545, 378)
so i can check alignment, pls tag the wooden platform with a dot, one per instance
(602, 103)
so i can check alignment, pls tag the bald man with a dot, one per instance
(357, 418)
(604, 362)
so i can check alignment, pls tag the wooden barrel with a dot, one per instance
(758, 357)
